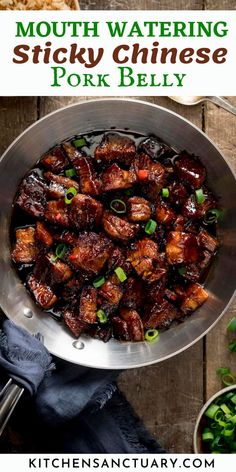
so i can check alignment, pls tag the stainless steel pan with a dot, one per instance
(145, 118)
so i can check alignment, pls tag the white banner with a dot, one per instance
(117, 462)
(122, 53)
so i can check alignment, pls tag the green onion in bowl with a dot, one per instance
(215, 429)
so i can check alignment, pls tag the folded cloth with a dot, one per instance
(83, 410)
(23, 356)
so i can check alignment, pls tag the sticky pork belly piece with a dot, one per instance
(194, 210)
(50, 271)
(194, 298)
(42, 293)
(43, 234)
(120, 329)
(118, 228)
(182, 247)
(55, 160)
(160, 315)
(178, 193)
(190, 170)
(164, 213)
(58, 185)
(71, 290)
(104, 333)
(88, 305)
(74, 323)
(83, 165)
(112, 290)
(155, 148)
(25, 250)
(134, 294)
(118, 258)
(207, 241)
(91, 253)
(66, 236)
(134, 324)
(115, 147)
(139, 209)
(149, 171)
(32, 195)
(115, 178)
(56, 212)
(146, 260)
(84, 212)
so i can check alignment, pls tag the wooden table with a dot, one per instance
(166, 396)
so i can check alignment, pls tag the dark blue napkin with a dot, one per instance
(72, 408)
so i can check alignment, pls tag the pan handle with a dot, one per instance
(9, 397)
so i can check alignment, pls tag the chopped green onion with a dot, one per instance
(70, 172)
(225, 409)
(233, 398)
(207, 435)
(98, 282)
(60, 252)
(223, 371)
(211, 216)
(182, 270)
(150, 227)
(118, 206)
(70, 194)
(228, 379)
(218, 416)
(232, 346)
(102, 317)
(211, 411)
(165, 192)
(233, 419)
(232, 324)
(228, 431)
(200, 196)
(151, 335)
(121, 274)
(78, 143)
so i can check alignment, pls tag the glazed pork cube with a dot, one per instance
(178, 193)
(74, 323)
(160, 315)
(155, 148)
(207, 241)
(115, 147)
(71, 291)
(134, 294)
(179, 223)
(118, 258)
(115, 178)
(134, 324)
(89, 182)
(192, 209)
(85, 212)
(88, 305)
(55, 160)
(111, 290)
(190, 170)
(66, 236)
(164, 213)
(91, 253)
(43, 234)
(51, 271)
(139, 209)
(104, 333)
(145, 260)
(32, 195)
(194, 298)
(118, 228)
(25, 250)
(182, 248)
(43, 294)
(56, 212)
(58, 185)
(150, 171)
(120, 329)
